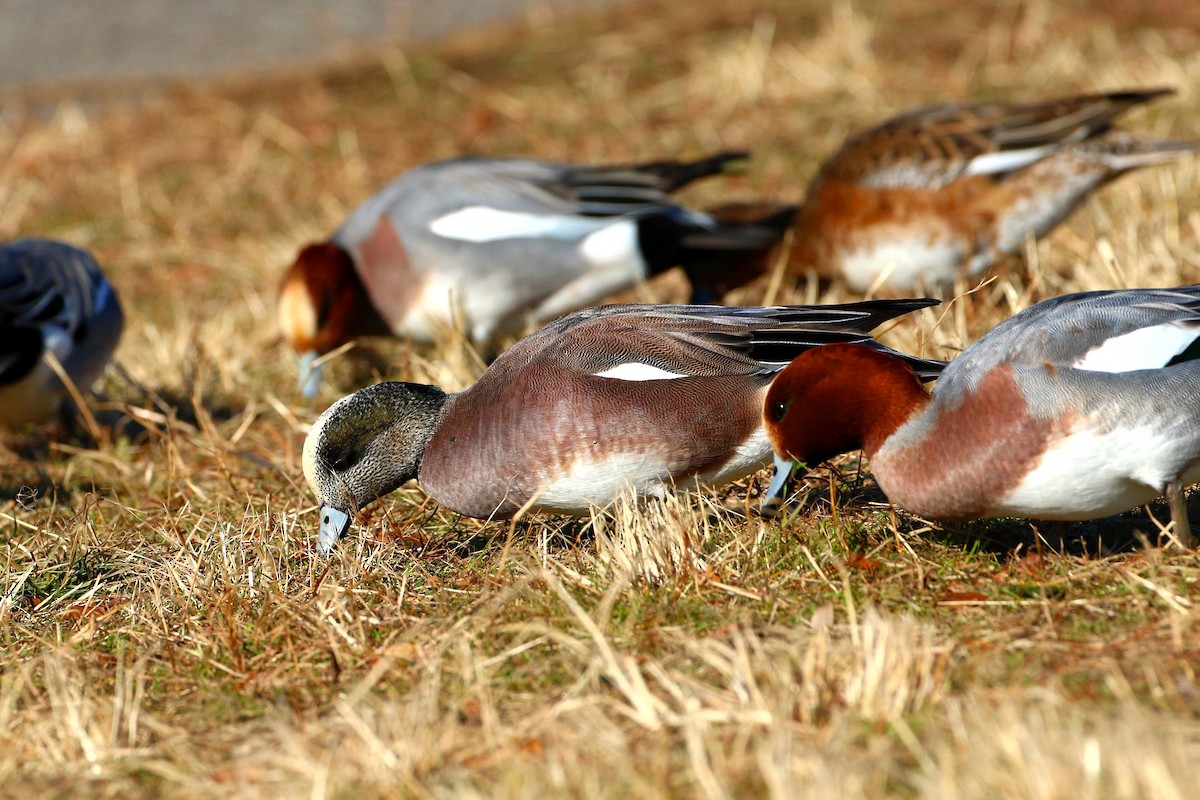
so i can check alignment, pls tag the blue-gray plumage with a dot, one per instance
(53, 299)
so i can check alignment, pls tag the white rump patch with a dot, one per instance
(1144, 348)
(637, 371)
(1007, 160)
(483, 224)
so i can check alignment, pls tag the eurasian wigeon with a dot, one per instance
(1079, 407)
(53, 299)
(946, 191)
(600, 401)
(502, 243)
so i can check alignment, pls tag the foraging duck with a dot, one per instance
(53, 299)
(499, 243)
(602, 400)
(946, 191)
(1078, 407)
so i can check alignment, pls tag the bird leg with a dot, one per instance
(1181, 528)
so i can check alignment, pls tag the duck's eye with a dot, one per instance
(345, 460)
(779, 409)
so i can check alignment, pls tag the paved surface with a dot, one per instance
(52, 41)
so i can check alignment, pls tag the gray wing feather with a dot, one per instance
(706, 341)
(1063, 329)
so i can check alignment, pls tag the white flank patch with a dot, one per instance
(1144, 348)
(598, 482)
(615, 263)
(902, 263)
(614, 244)
(752, 455)
(39, 393)
(56, 340)
(637, 371)
(483, 224)
(1091, 474)
(1007, 161)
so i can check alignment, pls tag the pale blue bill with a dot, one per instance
(334, 524)
(783, 471)
(310, 374)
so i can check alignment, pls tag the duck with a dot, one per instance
(940, 193)
(54, 300)
(603, 400)
(500, 243)
(1079, 407)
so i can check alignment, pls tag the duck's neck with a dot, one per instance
(880, 402)
(840, 397)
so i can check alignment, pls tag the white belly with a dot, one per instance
(598, 482)
(903, 263)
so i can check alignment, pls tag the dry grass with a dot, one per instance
(166, 628)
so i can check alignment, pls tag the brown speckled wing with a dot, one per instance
(930, 146)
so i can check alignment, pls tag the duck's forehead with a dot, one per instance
(297, 315)
(312, 444)
(308, 460)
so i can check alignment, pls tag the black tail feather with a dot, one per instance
(675, 175)
(717, 255)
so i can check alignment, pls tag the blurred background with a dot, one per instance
(95, 40)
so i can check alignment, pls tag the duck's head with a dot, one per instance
(834, 399)
(365, 446)
(322, 302)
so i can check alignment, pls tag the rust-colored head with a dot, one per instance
(837, 398)
(322, 300)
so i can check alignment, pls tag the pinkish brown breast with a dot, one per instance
(957, 463)
(393, 286)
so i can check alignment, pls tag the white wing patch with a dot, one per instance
(1144, 348)
(637, 371)
(1007, 160)
(483, 224)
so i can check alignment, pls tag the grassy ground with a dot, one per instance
(166, 628)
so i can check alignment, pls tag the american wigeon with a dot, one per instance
(1078, 407)
(605, 399)
(508, 242)
(945, 191)
(53, 299)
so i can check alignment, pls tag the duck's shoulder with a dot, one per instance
(1105, 331)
